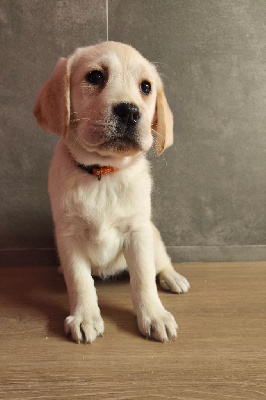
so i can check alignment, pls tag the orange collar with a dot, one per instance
(97, 170)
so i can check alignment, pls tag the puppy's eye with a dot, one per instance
(145, 87)
(95, 77)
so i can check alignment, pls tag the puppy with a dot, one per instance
(107, 103)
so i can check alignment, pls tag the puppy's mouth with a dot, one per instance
(112, 137)
(122, 144)
(110, 143)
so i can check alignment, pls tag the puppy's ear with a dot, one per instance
(162, 125)
(52, 106)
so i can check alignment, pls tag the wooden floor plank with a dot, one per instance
(219, 353)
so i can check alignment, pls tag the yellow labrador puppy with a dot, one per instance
(107, 102)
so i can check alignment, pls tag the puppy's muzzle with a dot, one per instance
(127, 113)
(125, 128)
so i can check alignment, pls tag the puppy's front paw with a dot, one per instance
(172, 281)
(84, 328)
(159, 325)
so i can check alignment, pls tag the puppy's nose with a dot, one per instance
(127, 112)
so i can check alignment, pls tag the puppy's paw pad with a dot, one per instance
(161, 327)
(84, 329)
(173, 282)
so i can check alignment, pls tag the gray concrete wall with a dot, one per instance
(210, 187)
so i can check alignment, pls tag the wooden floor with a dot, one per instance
(219, 354)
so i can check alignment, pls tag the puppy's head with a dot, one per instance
(106, 99)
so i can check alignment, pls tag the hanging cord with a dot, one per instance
(107, 26)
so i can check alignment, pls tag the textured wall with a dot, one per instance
(210, 187)
(35, 33)
(212, 192)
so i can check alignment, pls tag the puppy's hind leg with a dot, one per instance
(169, 279)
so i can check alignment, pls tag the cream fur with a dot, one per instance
(103, 227)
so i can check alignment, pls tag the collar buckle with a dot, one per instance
(97, 170)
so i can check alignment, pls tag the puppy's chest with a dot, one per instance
(103, 211)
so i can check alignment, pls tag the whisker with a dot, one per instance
(164, 65)
(88, 119)
(79, 134)
(164, 159)
(158, 134)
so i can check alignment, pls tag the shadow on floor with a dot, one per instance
(43, 295)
